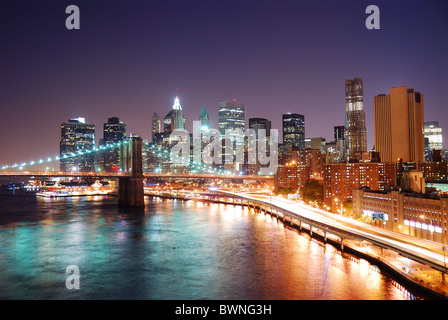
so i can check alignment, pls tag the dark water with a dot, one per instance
(169, 250)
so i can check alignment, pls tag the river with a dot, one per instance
(170, 250)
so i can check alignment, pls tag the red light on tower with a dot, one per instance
(234, 100)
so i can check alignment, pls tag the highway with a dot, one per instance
(430, 251)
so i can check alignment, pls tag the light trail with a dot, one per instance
(428, 250)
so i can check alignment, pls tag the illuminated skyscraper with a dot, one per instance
(155, 126)
(230, 116)
(355, 123)
(294, 130)
(114, 131)
(177, 118)
(204, 118)
(76, 135)
(399, 125)
(433, 132)
(230, 121)
(260, 123)
(256, 124)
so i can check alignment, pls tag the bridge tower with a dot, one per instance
(130, 188)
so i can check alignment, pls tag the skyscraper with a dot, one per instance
(230, 116)
(204, 118)
(256, 124)
(155, 125)
(433, 132)
(174, 120)
(398, 121)
(76, 135)
(114, 131)
(231, 125)
(294, 130)
(339, 133)
(260, 123)
(177, 118)
(339, 139)
(355, 123)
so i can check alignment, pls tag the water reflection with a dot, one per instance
(170, 250)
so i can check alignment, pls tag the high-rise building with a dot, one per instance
(167, 127)
(231, 125)
(177, 118)
(174, 120)
(260, 123)
(114, 131)
(433, 132)
(205, 119)
(155, 125)
(76, 135)
(294, 130)
(230, 116)
(355, 123)
(339, 133)
(398, 121)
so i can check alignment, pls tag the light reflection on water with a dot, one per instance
(169, 250)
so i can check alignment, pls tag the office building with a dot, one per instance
(340, 179)
(339, 133)
(231, 125)
(114, 131)
(411, 211)
(76, 136)
(293, 125)
(155, 125)
(433, 132)
(355, 123)
(177, 118)
(258, 124)
(230, 116)
(204, 118)
(398, 121)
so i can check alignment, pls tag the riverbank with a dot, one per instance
(427, 282)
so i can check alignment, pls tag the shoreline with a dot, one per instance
(382, 264)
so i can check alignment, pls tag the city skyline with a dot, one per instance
(120, 64)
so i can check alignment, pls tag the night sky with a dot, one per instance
(131, 58)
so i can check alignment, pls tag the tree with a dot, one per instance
(284, 191)
(312, 191)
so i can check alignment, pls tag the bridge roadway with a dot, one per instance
(423, 251)
(54, 174)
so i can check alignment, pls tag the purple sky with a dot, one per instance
(278, 56)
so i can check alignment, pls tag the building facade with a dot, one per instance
(433, 132)
(155, 125)
(231, 125)
(355, 123)
(293, 125)
(114, 131)
(177, 117)
(416, 214)
(340, 179)
(76, 135)
(204, 118)
(398, 121)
